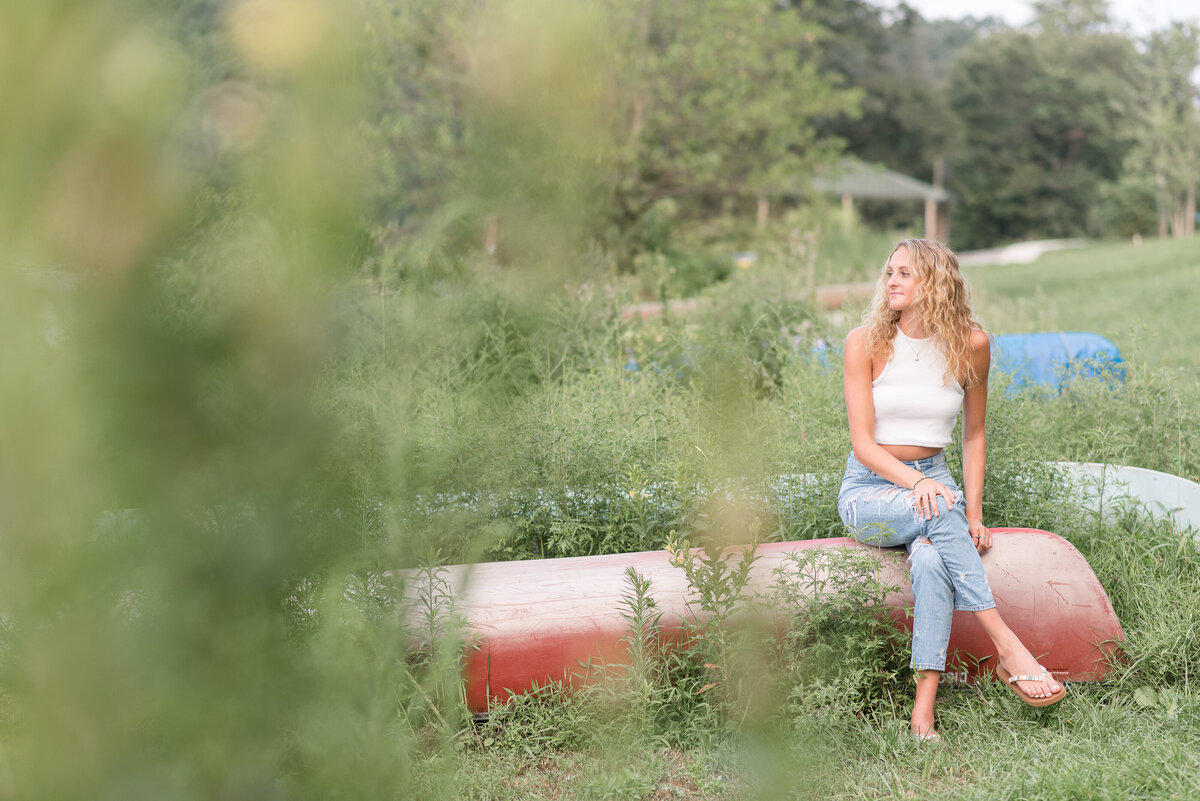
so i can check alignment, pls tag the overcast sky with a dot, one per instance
(1142, 16)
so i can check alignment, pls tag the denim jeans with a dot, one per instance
(947, 576)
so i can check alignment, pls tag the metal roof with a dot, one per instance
(861, 180)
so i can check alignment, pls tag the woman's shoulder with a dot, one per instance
(981, 353)
(856, 340)
(857, 334)
(856, 347)
(980, 339)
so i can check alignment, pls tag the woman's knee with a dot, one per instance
(949, 519)
(926, 563)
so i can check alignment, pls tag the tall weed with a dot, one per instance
(713, 671)
(841, 656)
(1151, 572)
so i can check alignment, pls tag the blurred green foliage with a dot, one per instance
(173, 236)
(257, 357)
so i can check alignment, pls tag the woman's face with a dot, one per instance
(901, 283)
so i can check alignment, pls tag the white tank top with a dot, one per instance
(916, 403)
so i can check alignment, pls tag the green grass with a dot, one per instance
(1135, 736)
(1141, 297)
(716, 399)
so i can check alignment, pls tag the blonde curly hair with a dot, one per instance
(943, 300)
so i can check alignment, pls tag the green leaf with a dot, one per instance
(1145, 697)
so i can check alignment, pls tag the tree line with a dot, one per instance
(1068, 127)
(572, 123)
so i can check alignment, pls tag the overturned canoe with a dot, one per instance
(1102, 488)
(533, 622)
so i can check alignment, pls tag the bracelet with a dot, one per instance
(919, 480)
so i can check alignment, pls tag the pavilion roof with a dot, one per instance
(858, 179)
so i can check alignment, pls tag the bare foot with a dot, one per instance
(922, 713)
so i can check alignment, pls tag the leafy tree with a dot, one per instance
(900, 63)
(1073, 17)
(572, 121)
(1045, 118)
(903, 120)
(1168, 151)
(716, 103)
(417, 128)
(927, 49)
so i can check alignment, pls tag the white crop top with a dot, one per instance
(916, 403)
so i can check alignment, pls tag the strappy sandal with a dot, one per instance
(1011, 682)
(927, 737)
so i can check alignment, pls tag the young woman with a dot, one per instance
(919, 358)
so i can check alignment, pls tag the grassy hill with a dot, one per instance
(1142, 297)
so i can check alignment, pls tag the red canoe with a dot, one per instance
(537, 621)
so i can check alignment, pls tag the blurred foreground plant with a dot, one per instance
(175, 497)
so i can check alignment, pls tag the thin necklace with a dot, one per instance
(916, 352)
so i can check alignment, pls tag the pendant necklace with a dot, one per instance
(912, 345)
(916, 352)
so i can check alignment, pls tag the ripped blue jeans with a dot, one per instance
(947, 576)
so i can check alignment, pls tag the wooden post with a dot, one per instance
(1189, 210)
(937, 228)
(491, 236)
(764, 209)
(1189, 203)
(1161, 195)
(847, 213)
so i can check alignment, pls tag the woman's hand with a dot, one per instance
(925, 495)
(981, 538)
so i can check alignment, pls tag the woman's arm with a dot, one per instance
(860, 409)
(974, 441)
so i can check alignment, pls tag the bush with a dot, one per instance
(1125, 207)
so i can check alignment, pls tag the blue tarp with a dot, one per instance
(1046, 361)
(1035, 361)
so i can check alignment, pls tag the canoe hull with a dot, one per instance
(540, 621)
